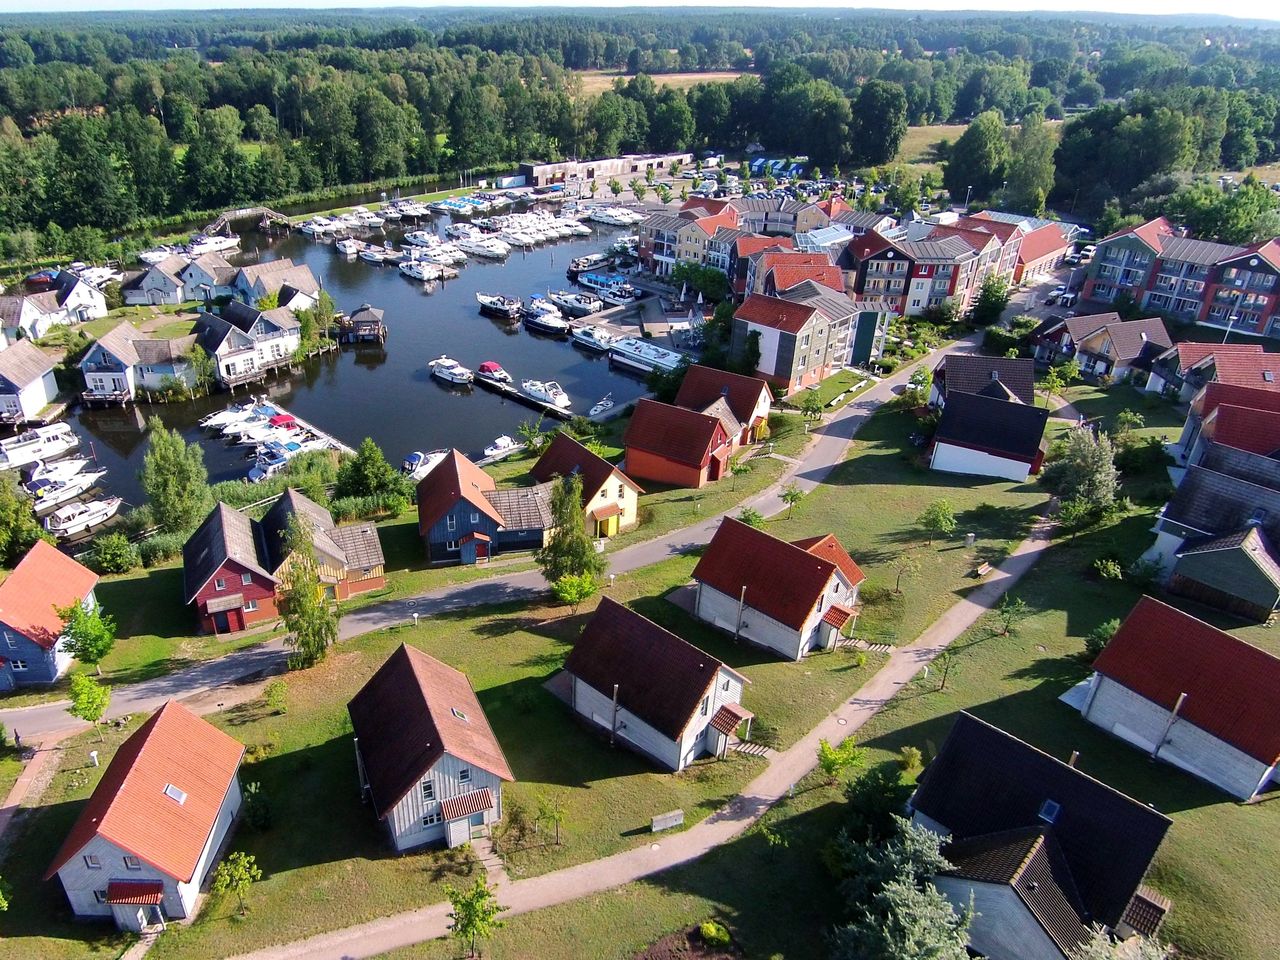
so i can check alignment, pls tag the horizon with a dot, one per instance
(1157, 9)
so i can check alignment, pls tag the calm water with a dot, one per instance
(386, 392)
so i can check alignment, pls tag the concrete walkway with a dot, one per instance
(784, 770)
(823, 454)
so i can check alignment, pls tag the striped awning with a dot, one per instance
(838, 615)
(135, 892)
(729, 716)
(466, 804)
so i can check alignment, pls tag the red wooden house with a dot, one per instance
(679, 447)
(223, 575)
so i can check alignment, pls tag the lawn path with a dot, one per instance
(824, 452)
(783, 771)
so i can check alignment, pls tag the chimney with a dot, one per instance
(1075, 755)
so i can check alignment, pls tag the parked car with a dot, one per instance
(1055, 294)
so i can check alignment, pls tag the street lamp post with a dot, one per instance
(967, 194)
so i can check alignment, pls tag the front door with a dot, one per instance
(220, 623)
(476, 824)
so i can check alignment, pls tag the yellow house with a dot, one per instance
(609, 497)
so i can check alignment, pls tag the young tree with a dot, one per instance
(175, 480)
(89, 635)
(904, 920)
(574, 589)
(474, 915)
(531, 434)
(993, 297)
(1127, 421)
(1074, 515)
(277, 696)
(751, 517)
(833, 761)
(906, 567)
(307, 615)
(791, 495)
(615, 187)
(570, 551)
(938, 519)
(551, 810)
(236, 874)
(1100, 946)
(201, 365)
(921, 382)
(811, 405)
(89, 699)
(639, 190)
(1011, 611)
(1087, 471)
(368, 474)
(1051, 383)
(740, 466)
(945, 663)
(1098, 638)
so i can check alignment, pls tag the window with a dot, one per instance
(451, 544)
(219, 584)
(706, 705)
(132, 863)
(428, 790)
(622, 489)
(464, 775)
(451, 522)
(431, 819)
(246, 579)
(250, 606)
(18, 665)
(177, 794)
(1049, 811)
(8, 637)
(475, 516)
(458, 713)
(725, 685)
(92, 862)
(100, 896)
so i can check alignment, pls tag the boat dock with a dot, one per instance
(512, 393)
(333, 442)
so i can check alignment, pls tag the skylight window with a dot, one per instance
(458, 713)
(175, 793)
(1049, 811)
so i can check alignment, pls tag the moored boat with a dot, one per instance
(641, 355)
(592, 337)
(548, 391)
(46, 495)
(76, 518)
(492, 370)
(418, 464)
(501, 447)
(39, 443)
(63, 469)
(603, 404)
(551, 323)
(496, 305)
(450, 371)
(574, 304)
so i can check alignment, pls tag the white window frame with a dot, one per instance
(19, 666)
(100, 896)
(433, 818)
(451, 522)
(92, 861)
(132, 863)
(464, 775)
(246, 579)
(429, 790)
(250, 606)
(451, 545)
(706, 706)
(219, 584)
(475, 516)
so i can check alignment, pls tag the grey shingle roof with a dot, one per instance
(971, 373)
(1004, 427)
(163, 351)
(524, 508)
(23, 363)
(832, 305)
(945, 249)
(664, 222)
(1214, 504)
(225, 534)
(1190, 250)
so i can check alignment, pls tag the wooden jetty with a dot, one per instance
(268, 217)
(512, 393)
(333, 442)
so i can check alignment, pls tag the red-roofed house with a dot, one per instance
(1041, 251)
(1185, 368)
(45, 579)
(1191, 695)
(1257, 431)
(671, 445)
(1214, 395)
(761, 264)
(749, 399)
(790, 598)
(785, 276)
(803, 336)
(746, 251)
(148, 835)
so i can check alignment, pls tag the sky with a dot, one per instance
(1257, 9)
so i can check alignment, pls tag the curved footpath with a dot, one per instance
(821, 456)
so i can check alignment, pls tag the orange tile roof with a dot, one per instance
(44, 579)
(1190, 354)
(833, 206)
(774, 312)
(709, 225)
(1040, 243)
(755, 243)
(711, 206)
(828, 548)
(776, 258)
(452, 479)
(1215, 394)
(1261, 370)
(131, 808)
(682, 436)
(787, 276)
(1149, 232)
(1001, 228)
(978, 239)
(1257, 431)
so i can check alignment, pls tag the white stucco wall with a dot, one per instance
(1137, 720)
(721, 610)
(953, 459)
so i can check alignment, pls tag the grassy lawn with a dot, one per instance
(871, 502)
(1101, 406)
(847, 382)
(1216, 848)
(10, 768)
(598, 81)
(919, 146)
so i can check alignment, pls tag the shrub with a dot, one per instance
(276, 695)
(910, 759)
(161, 547)
(257, 808)
(713, 934)
(873, 593)
(645, 515)
(1145, 574)
(113, 553)
(858, 659)
(1108, 569)
(362, 508)
(1100, 636)
(1142, 456)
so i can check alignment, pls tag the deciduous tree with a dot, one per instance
(847, 757)
(570, 552)
(311, 621)
(574, 589)
(89, 699)
(938, 519)
(236, 874)
(791, 495)
(88, 635)
(174, 479)
(474, 916)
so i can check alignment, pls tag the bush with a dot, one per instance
(1108, 569)
(910, 759)
(1099, 637)
(363, 508)
(276, 694)
(713, 934)
(257, 809)
(645, 515)
(1141, 456)
(113, 553)
(1145, 574)
(161, 548)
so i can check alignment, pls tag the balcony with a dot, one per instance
(103, 368)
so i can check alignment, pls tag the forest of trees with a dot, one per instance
(114, 122)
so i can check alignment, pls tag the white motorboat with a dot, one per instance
(367, 217)
(58, 470)
(574, 304)
(349, 246)
(501, 447)
(421, 269)
(621, 295)
(450, 371)
(489, 247)
(221, 418)
(540, 304)
(461, 231)
(643, 356)
(592, 337)
(517, 238)
(604, 403)
(391, 213)
(422, 238)
(316, 226)
(418, 464)
(158, 255)
(592, 261)
(548, 391)
(448, 253)
(575, 228)
(372, 254)
(496, 305)
(214, 243)
(545, 322)
(492, 370)
(46, 495)
(256, 420)
(39, 443)
(76, 518)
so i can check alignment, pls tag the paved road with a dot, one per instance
(784, 769)
(823, 454)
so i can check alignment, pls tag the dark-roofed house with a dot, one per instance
(1191, 695)
(653, 691)
(1043, 850)
(208, 277)
(465, 518)
(1000, 378)
(254, 282)
(749, 399)
(609, 497)
(27, 383)
(124, 360)
(232, 565)
(790, 598)
(1103, 344)
(671, 445)
(427, 758)
(30, 628)
(988, 437)
(160, 283)
(245, 342)
(150, 833)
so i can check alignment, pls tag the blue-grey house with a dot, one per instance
(30, 628)
(124, 361)
(464, 518)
